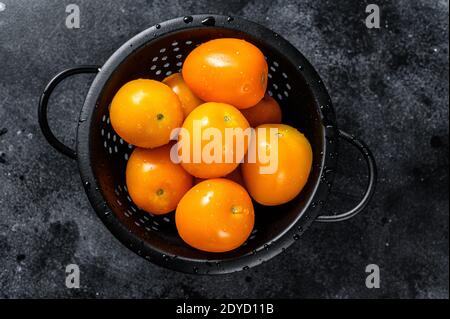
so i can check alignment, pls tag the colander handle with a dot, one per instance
(43, 107)
(370, 188)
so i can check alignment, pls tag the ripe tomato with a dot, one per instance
(144, 112)
(294, 165)
(230, 151)
(188, 99)
(227, 70)
(154, 182)
(215, 215)
(267, 111)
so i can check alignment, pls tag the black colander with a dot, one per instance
(102, 155)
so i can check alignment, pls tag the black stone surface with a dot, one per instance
(389, 87)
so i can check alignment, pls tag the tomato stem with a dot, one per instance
(236, 209)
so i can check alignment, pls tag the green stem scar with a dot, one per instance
(236, 209)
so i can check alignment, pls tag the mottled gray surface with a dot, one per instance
(389, 86)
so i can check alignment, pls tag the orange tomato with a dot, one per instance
(267, 111)
(230, 151)
(227, 70)
(144, 112)
(154, 182)
(291, 174)
(216, 215)
(188, 99)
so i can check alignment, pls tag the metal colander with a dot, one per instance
(102, 155)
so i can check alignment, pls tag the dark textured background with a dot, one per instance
(389, 86)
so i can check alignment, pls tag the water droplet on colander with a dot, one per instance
(229, 19)
(106, 213)
(188, 19)
(165, 257)
(158, 26)
(253, 251)
(87, 184)
(245, 268)
(300, 67)
(300, 228)
(324, 118)
(296, 237)
(195, 270)
(266, 247)
(209, 21)
(313, 204)
(330, 133)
